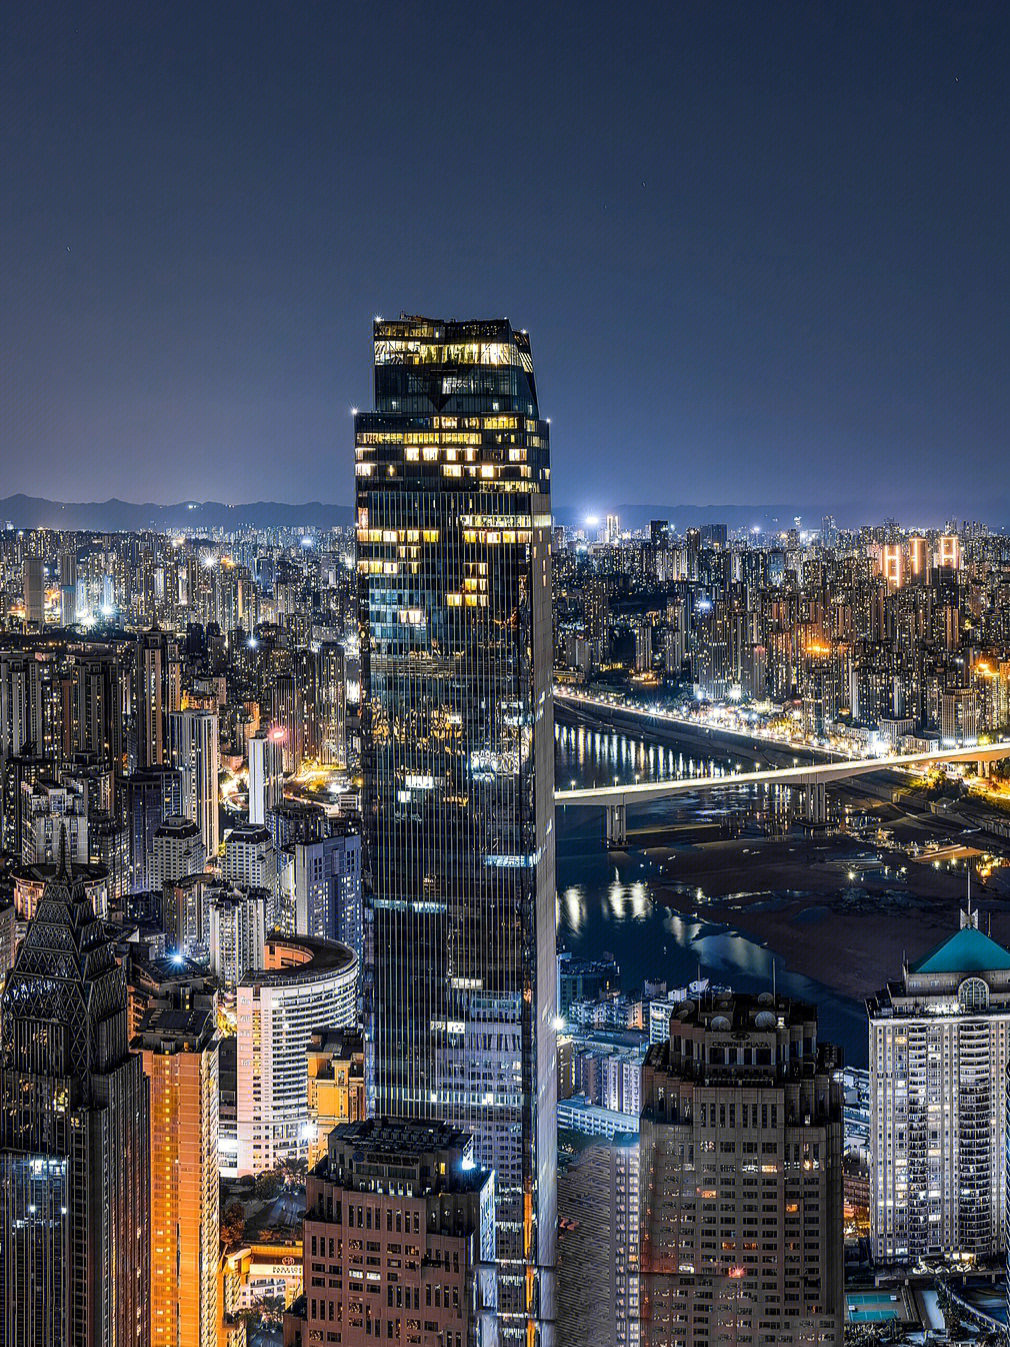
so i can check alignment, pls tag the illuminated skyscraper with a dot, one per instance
(179, 1047)
(302, 984)
(741, 1179)
(34, 587)
(266, 775)
(73, 1137)
(939, 1051)
(193, 748)
(453, 520)
(158, 692)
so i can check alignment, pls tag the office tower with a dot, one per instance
(178, 851)
(714, 535)
(412, 1192)
(918, 558)
(959, 717)
(303, 983)
(892, 564)
(336, 1071)
(193, 750)
(266, 776)
(453, 520)
(613, 528)
(18, 771)
(145, 799)
(178, 1044)
(598, 1263)
(250, 857)
(237, 921)
(34, 592)
(158, 692)
(73, 1137)
(51, 810)
(324, 880)
(741, 1178)
(939, 1041)
(68, 588)
(331, 707)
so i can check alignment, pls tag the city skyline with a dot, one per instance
(779, 232)
(505, 831)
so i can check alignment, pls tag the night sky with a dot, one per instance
(761, 248)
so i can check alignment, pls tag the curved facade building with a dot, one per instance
(304, 985)
(30, 884)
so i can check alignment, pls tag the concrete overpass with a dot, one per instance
(811, 778)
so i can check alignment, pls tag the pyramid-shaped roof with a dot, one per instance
(966, 951)
(65, 977)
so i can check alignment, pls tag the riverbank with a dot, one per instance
(828, 907)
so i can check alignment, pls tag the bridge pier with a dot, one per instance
(985, 768)
(815, 803)
(615, 826)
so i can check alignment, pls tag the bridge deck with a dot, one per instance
(808, 775)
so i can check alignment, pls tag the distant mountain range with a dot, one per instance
(32, 512)
(193, 516)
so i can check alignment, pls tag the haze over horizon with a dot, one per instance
(752, 240)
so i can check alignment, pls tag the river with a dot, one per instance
(606, 902)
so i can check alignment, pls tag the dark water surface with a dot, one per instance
(605, 899)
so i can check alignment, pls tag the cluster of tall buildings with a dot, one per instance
(900, 633)
(276, 813)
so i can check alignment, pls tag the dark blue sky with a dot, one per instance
(761, 248)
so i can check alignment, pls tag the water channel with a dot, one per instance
(607, 902)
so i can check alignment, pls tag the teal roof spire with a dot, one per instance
(968, 950)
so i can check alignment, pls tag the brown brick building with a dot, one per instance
(741, 1179)
(399, 1241)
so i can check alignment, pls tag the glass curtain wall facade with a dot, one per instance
(453, 528)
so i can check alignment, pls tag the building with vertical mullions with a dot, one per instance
(74, 1265)
(453, 528)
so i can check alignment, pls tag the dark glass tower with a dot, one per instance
(453, 520)
(74, 1265)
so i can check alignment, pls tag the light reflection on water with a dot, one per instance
(606, 903)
